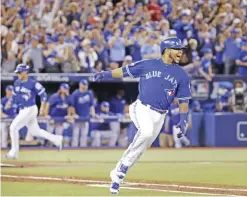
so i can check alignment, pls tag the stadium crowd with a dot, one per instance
(88, 36)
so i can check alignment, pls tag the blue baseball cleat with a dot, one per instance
(117, 177)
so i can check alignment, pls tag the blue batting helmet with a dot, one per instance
(171, 43)
(21, 68)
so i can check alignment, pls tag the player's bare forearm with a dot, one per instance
(92, 111)
(117, 73)
(42, 109)
(240, 63)
(46, 109)
(183, 108)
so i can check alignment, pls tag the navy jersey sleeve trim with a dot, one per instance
(41, 92)
(128, 71)
(184, 98)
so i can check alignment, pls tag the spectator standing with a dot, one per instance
(206, 65)
(242, 60)
(116, 46)
(219, 49)
(87, 56)
(231, 51)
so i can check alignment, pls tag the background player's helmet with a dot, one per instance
(84, 82)
(105, 104)
(64, 86)
(21, 68)
(171, 43)
(9, 87)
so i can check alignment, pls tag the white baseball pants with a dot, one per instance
(28, 117)
(178, 141)
(149, 123)
(76, 138)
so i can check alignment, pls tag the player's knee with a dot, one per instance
(13, 127)
(147, 135)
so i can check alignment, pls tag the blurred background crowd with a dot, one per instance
(88, 36)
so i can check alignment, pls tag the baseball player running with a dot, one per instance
(161, 80)
(25, 91)
(81, 106)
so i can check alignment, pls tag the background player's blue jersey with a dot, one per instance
(82, 102)
(25, 92)
(102, 126)
(8, 106)
(160, 83)
(58, 105)
(117, 105)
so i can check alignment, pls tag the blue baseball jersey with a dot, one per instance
(82, 102)
(160, 83)
(117, 105)
(8, 106)
(58, 105)
(242, 70)
(25, 93)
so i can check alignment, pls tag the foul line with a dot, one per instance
(158, 190)
(130, 184)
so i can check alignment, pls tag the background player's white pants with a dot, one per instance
(28, 117)
(76, 138)
(149, 123)
(57, 128)
(4, 133)
(112, 135)
(179, 141)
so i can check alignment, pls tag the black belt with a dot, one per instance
(155, 109)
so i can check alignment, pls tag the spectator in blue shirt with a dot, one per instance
(206, 65)
(219, 48)
(242, 60)
(183, 26)
(231, 51)
(116, 46)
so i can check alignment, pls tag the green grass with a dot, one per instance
(46, 189)
(222, 166)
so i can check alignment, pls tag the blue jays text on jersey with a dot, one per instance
(82, 102)
(8, 106)
(58, 105)
(160, 83)
(25, 93)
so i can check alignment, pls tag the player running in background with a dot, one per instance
(25, 92)
(8, 110)
(82, 105)
(161, 80)
(57, 106)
